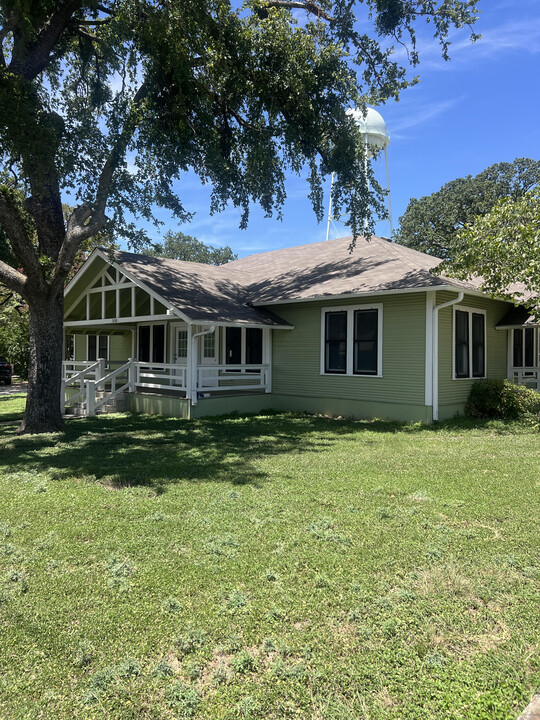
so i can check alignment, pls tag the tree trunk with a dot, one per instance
(46, 317)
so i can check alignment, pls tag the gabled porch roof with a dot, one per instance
(196, 293)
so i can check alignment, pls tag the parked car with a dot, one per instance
(6, 370)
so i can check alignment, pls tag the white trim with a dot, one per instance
(97, 336)
(435, 342)
(243, 342)
(431, 299)
(151, 348)
(89, 262)
(350, 310)
(536, 358)
(470, 311)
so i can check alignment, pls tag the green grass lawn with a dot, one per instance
(12, 407)
(277, 566)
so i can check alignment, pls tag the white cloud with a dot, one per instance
(421, 114)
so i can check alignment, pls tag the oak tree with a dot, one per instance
(179, 246)
(503, 248)
(432, 224)
(107, 103)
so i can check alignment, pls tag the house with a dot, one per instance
(317, 328)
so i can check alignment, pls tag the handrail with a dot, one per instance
(82, 373)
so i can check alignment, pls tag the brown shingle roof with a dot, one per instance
(238, 291)
(329, 268)
(203, 293)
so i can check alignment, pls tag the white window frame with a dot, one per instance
(535, 347)
(151, 325)
(97, 336)
(243, 344)
(350, 309)
(471, 311)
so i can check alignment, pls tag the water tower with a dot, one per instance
(375, 136)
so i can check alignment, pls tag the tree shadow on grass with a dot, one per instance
(155, 451)
(138, 450)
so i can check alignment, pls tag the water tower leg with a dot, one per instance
(388, 188)
(330, 209)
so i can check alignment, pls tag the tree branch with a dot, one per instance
(30, 60)
(118, 150)
(21, 244)
(12, 279)
(307, 5)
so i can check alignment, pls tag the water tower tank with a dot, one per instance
(372, 127)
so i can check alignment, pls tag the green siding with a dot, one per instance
(296, 359)
(453, 394)
(120, 347)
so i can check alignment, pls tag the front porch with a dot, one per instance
(95, 386)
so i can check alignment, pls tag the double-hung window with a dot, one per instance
(351, 340)
(469, 343)
(98, 347)
(523, 347)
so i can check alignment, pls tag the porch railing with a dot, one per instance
(91, 387)
(528, 376)
(216, 378)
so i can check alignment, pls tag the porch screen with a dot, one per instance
(144, 343)
(98, 346)
(254, 346)
(365, 342)
(158, 343)
(523, 347)
(233, 346)
(335, 360)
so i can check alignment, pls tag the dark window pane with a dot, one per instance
(144, 343)
(254, 346)
(336, 342)
(233, 346)
(529, 347)
(92, 348)
(103, 346)
(366, 323)
(517, 356)
(478, 350)
(158, 343)
(462, 344)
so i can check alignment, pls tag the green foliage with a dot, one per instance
(503, 247)
(14, 339)
(179, 246)
(501, 399)
(432, 224)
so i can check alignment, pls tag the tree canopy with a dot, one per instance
(179, 246)
(432, 224)
(503, 247)
(107, 103)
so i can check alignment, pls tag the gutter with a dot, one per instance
(435, 351)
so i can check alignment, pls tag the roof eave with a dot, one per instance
(370, 293)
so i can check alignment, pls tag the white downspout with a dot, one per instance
(435, 355)
(194, 368)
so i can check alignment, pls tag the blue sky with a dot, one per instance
(480, 108)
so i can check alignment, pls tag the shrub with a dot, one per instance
(501, 399)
